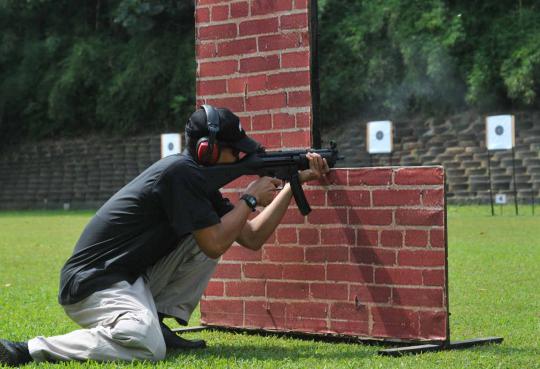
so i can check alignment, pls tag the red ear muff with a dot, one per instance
(205, 154)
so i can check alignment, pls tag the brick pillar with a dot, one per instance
(370, 260)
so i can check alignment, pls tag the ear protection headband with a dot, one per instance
(208, 149)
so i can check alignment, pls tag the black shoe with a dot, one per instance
(174, 341)
(14, 353)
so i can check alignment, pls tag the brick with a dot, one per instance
(421, 258)
(259, 26)
(293, 21)
(214, 288)
(217, 32)
(308, 236)
(433, 198)
(328, 216)
(433, 324)
(241, 254)
(260, 7)
(262, 271)
(398, 276)
(300, 138)
(370, 216)
(239, 9)
(304, 272)
(419, 176)
(264, 102)
(395, 322)
(238, 47)
(373, 255)
(298, 98)
(307, 324)
(367, 238)
(228, 271)
(284, 254)
(221, 68)
(370, 177)
(348, 311)
(223, 306)
(316, 197)
(202, 15)
(245, 288)
(396, 197)
(349, 198)
(300, 4)
(349, 272)
(437, 237)
(288, 79)
(416, 238)
(279, 42)
(283, 121)
(287, 235)
(327, 254)
(292, 216)
(303, 120)
(213, 87)
(205, 50)
(261, 122)
(420, 217)
(347, 327)
(425, 297)
(391, 238)
(264, 314)
(287, 290)
(235, 104)
(220, 13)
(297, 59)
(259, 64)
(362, 294)
(271, 140)
(246, 84)
(307, 309)
(329, 291)
(338, 236)
(435, 277)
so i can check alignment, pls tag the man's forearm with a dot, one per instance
(264, 224)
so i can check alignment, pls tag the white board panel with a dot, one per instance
(500, 132)
(171, 144)
(379, 137)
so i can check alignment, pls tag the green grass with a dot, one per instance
(494, 276)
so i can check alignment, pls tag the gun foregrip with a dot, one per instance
(299, 195)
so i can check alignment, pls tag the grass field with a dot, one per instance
(494, 291)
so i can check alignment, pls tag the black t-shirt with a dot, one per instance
(140, 224)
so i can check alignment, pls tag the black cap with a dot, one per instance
(230, 132)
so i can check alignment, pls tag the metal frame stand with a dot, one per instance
(490, 184)
(514, 178)
(398, 351)
(457, 345)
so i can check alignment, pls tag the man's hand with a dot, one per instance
(264, 189)
(318, 168)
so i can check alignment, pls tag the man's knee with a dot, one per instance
(140, 331)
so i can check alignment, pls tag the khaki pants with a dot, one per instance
(121, 322)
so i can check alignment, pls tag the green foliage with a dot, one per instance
(73, 67)
(395, 57)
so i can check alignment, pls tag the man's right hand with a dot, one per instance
(264, 189)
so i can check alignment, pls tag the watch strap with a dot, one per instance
(250, 200)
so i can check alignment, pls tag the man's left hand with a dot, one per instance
(318, 168)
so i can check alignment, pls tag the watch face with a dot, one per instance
(252, 201)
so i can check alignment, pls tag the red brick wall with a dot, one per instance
(253, 57)
(370, 259)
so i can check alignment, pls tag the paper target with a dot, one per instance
(170, 144)
(379, 137)
(500, 132)
(500, 198)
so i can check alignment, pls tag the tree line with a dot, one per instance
(73, 67)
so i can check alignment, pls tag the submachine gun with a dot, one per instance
(279, 164)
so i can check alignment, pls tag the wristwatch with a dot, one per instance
(250, 200)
